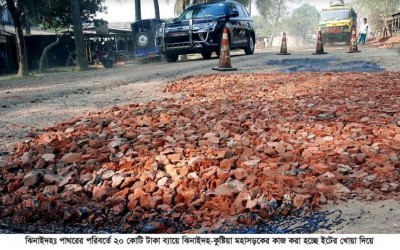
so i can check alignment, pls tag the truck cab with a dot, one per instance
(336, 23)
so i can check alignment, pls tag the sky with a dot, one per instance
(124, 10)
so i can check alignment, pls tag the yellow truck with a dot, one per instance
(336, 23)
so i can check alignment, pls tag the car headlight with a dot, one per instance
(168, 29)
(204, 26)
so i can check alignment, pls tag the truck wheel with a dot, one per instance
(171, 58)
(107, 63)
(142, 40)
(249, 50)
(206, 55)
(348, 40)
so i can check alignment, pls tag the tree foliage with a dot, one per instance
(18, 10)
(272, 11)
(376, 10)
(303, 22)
(181, 5)
(56, 14)
(50, 14)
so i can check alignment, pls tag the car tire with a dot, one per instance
(171, 58)
(142, 40)
(107, 63)
(206, 55)
(249, 50)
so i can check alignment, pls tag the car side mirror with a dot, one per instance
(233, 13)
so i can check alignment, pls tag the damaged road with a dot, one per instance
(208, 152)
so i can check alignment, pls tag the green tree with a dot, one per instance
(50, 14)
(376, 10)
(303, 22)
(181, 5)
(79, 45)
(138, 10)
(262, 30)
(18, 10)
(156, 9)
(272, 11)
(56, 15)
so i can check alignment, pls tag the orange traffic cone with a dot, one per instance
(320, 46)
(353, 42)
(284, 46)
(224, 56)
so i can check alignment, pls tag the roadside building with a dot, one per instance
(117, 37)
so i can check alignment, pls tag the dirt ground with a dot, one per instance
(30, 105)
(387, 42)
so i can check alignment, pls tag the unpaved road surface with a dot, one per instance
(28, 106)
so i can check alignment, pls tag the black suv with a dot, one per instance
(199, 30)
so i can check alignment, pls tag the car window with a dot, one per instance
(232, 7)
(246, 13)
(187, 14)
(241, 11)
(142, 26)
(203, 11)
(335, 15)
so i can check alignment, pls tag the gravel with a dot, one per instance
(29, 105)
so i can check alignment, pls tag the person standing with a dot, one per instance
(363, 31)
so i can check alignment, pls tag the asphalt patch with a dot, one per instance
(311, 223)
(324, 65)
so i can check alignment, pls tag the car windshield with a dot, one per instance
(335, 15)
(142, 26)
(203, 11)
